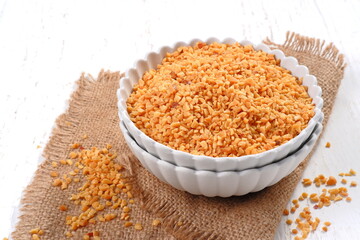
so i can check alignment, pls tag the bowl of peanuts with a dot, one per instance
(219, 105)
(224, 183)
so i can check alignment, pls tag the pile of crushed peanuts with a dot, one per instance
(105, 187)
(220, 100)
(305, 223)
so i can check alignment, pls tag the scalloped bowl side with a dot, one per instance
(226, 183)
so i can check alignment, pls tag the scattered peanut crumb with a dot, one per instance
(38, 146)
(34, 231)
(75, 145)
(138, 226)
(331, 181)
(156, 222)
(54, 164)
(35, 237)
(128, 224)
(73, 155)
(286, 212)
(306, 182)
(179, 223)
(57, 182)
(54, 174)
(63, 208)
(85, 136)
(328, 145)
(306, 224)
(293, 209)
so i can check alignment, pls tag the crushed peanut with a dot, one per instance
(73, 155)
(353, 184)
(128, 224)
(220, 100)
(138, 226)
(63, 208)
(34, 231)
(54, 174)
(327, 145)
(331, 181)
(289, 222)
(286, 212)
(306, 182)
(75, 145)
(35, 237)
(156, 222)
(293, 209)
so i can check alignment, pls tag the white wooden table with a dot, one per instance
(45, 45)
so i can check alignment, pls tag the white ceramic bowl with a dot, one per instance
(226, 183)
(185, 159)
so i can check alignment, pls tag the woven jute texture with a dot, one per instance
(93, 111)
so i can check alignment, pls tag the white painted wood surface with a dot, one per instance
(45, 45)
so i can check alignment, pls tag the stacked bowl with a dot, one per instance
(219, 176)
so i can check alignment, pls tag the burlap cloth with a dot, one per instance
(93, 111)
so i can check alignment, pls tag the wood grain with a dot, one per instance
(45, 45)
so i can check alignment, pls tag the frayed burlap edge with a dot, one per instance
(299, 43)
